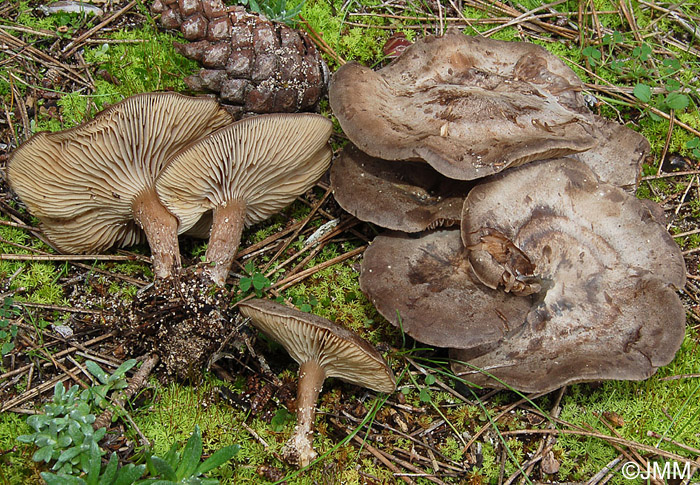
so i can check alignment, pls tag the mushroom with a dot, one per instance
(407, 196)
(323, 349)
(425, 286)
(600, 270)
(634, 326)
(469, 106)
(618, 154)
(92, 186)
(516, 223)
(244, 173)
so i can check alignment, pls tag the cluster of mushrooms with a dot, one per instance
(514, 239)
(156, 165)
(161, 164)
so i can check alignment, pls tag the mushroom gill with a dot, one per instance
(92, 186)
(244, 173)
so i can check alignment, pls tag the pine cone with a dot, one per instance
(253, 64)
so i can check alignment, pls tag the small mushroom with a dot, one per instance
(244, 173)
(425, 286)
(407, 196)
(469, 106)
(600, 270)
(92, 186)
(322, 349)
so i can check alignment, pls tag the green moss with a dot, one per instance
(16, 465)
(68, 22)
(653, 405)
(145, 61)
(175, 410)
(350, 43)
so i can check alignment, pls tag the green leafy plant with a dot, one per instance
(305, 304)
(186, 466)
(64, 432)
(8, 330)
(275, 10)
(109, 382)
(607, 56)
(111, 474)
(694, 146)
(255, 281)
(64, 435)
(281, 418)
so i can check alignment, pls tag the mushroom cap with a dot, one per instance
(407, 196)
(627, 338)
(425, 286)
(469, 106)
(339, 351)
(603, 268)
(81, 182)
(618, 154)
(266, 161)
(563, 202)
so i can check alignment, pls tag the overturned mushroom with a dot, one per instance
(424, 285)
(92, 186)
(600, 270)
(469, 106)
(244, 173)
(408, 196)
(322, 349)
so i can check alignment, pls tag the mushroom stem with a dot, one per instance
(299, 449)
(227, 226)
(160, 227)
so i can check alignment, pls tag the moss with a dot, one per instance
(175, 410)
(145, 61)
(16, 465)
(653, 405)
(68, 22)
(351, 43)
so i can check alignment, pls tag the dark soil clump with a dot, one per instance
(183, 320)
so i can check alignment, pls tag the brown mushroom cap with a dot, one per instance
(341, 352)
(244, 173)
(90, 185)
(469, 106)
(505, 220)
(323, 349)
(627, 331)
(425, 286)
(602, 268)
(407, 196)
(618, 154)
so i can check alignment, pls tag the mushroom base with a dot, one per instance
(180, 320)
(160, 227)
(226, 229)
(299, 449)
